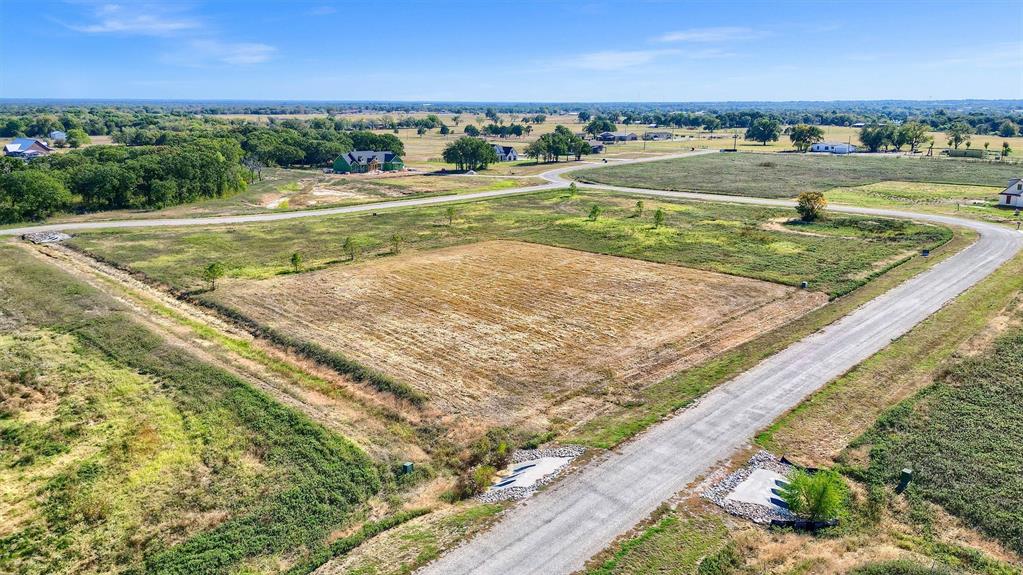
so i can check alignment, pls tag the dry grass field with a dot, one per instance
(506, 332)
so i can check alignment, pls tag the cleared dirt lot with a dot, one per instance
(507, 332)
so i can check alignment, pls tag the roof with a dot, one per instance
(367, 156)
(834, 144)
(1008, 192)
(23, 144)
(58, 135)
(504, 149)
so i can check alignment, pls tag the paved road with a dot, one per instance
(558, 530)
(552, 176)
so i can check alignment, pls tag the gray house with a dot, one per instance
(58, 136)
(26, 148)
(505, 153)
(617, 137)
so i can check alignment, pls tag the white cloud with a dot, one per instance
(710, 35)
(617, 59)
(208, 52)
(141, 20)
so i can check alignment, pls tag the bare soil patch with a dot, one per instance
(504, 332)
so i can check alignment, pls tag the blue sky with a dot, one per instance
(512, 51)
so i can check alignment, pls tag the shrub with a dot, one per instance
(811, 206)
(820, 496)
(659, 218)
(594, 213)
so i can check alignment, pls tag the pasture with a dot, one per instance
(961, 437)
(788, 175)
(123, 453)
(834, 255)
(501, 332)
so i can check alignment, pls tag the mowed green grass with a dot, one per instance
(121, 453)
(962, 437)
(788, 175)
(835, 255)
(677, 543)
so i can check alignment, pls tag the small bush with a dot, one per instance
(811, 206)
(820, 496)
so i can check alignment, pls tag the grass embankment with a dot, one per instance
(819, 428)
(125, 453)
(698, 544)
(741, 240)
(965, 201)
(786, 176)
(962, 437)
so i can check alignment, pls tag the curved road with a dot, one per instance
(558, 530)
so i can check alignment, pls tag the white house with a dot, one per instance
(58, 136)
(1012, 195)
(505, 153)
(833, 147)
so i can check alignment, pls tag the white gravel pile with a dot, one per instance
(718, 493)
(46, 237)
(514, 492)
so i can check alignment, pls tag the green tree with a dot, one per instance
(914, 134)
(874, 136)
(1006, 150)
(77, 138)
(351, 248)
(450, 213)
(456, 118)
(584, 117)
(396, 243)
(639, 208)
(296, 261)
(659, 217)
(1008, 129)
(598, 125)
(595, 213)
(212, 273)
(421, 130)
(764, 130)
(471, 130)
(958, 133)
(31, 195)
(468, 153)
(573, 189)
(820, 496)
(811, 206)
(803, 136)
(444, 130)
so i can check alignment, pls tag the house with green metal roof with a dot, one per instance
(361, 161)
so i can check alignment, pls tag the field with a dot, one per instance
(122, 453)
(756, 242)
(786, 176)
(505, 332)
(961, 437)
